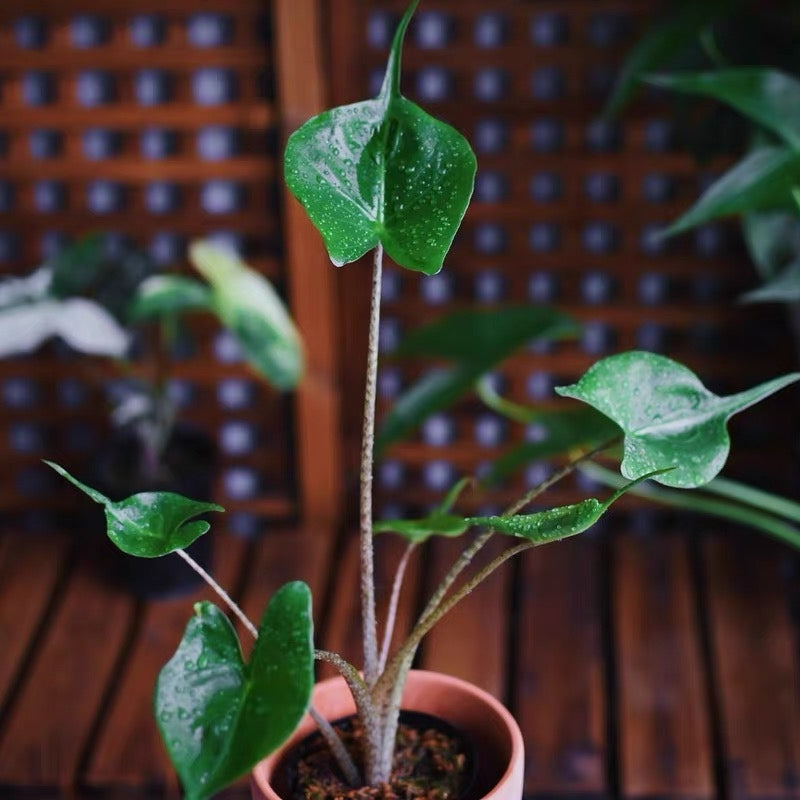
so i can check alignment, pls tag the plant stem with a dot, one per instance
(226, 598)
(368, 622)
(425, 625)
(557, 476)
(469, 553)
(365, 707)
(337, 748)
(391, 614)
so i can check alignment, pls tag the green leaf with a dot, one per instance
(477, 341)
(83, 324)
(149, 524)
(486, 336)
(669, 419)
(702, 504)
(218, 715)
(782, 288)
(557, 523)
(773, 240)
(541, 527)
(563, 431)
(383, 172)
(166, 295)
(452, 496)
(89, 269)
(247, 304)
(663, 40)
(766, 96)
(761, 181)
(78, 266)
(420, 530)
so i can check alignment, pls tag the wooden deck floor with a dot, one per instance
(656, 664)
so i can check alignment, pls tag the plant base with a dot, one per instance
(497, 738)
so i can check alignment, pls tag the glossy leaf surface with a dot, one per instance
(149, 524)
(766, 96)
(669, 419)
(762, 181)
(476, 341)
(165, 295)
(542, 527)
(383, 172)
(247, 303)
(217, 714)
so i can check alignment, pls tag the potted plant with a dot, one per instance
(102, 304)
(383, 175)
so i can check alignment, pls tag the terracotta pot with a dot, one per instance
(475, 713)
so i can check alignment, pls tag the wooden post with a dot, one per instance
(301, 94)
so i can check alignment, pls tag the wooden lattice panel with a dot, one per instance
(153, 122)
(565, 213)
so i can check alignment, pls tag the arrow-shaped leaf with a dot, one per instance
(542, 527)
(383, 172)
(149, 524)
(218, 715)
(667, 416)
(558, 523)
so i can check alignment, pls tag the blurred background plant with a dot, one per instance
(115, 304)
(744, 57)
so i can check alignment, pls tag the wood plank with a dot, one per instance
(128, 749)
(665, 728)
(452, 646)
(23, 601)
(49, 725)
(312, 287)
(559, 690)
(756, 664)
(342, 633)
(286, 555)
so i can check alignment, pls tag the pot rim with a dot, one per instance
(262, 772)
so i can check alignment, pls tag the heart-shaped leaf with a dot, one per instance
(761, 181)
(218, 715)
(149, 524)
(768, 97)
(477, 341)
(383, 172)
(165, 295)
(246, 303)
(669, 419)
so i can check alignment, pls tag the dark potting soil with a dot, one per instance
(429, 764)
